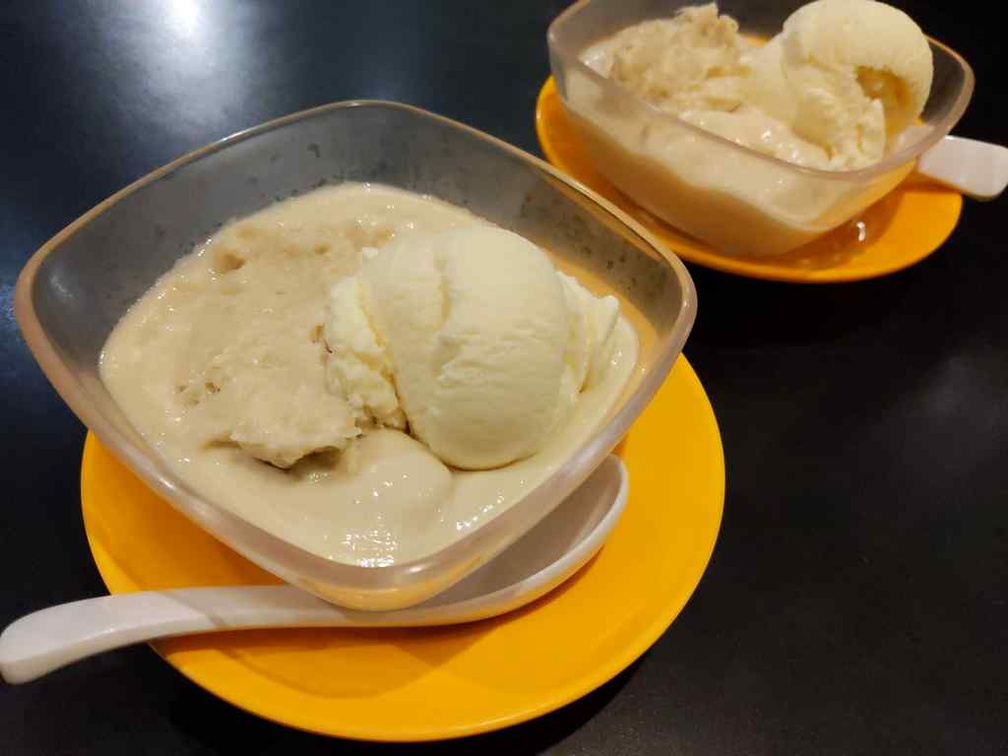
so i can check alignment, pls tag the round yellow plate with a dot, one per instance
(431, 683)
(903, 228)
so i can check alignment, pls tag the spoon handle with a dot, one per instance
(51, 638)
(977, 169)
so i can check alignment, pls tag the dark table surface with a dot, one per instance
(856, 601)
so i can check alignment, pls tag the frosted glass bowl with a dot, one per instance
(738, 200)
(74, 290)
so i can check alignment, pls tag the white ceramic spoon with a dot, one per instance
(539, 561)
(977, 169)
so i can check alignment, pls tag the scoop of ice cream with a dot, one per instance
(690, 61)
(472, 337)
(275, 416)
(843, 76)
(860, 72)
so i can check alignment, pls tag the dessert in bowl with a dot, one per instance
(754, 127)
(198, 323)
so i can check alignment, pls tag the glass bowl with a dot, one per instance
(74, 290)
(740, 201)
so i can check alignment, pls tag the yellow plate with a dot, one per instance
(903, 228)
(430, 683)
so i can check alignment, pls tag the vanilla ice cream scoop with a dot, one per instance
(860, 72)
(471, 337)
(691, 61)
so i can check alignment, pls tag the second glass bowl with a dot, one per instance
(740, 201)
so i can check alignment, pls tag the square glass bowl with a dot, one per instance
(75, 289)
(740, 201)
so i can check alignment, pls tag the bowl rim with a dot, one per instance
(556, 41)
(309, 570)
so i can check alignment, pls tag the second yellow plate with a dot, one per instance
(903, 228)
(430, 683)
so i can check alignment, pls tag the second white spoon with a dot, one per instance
(977, 169)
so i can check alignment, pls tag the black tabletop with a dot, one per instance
(856, 600)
